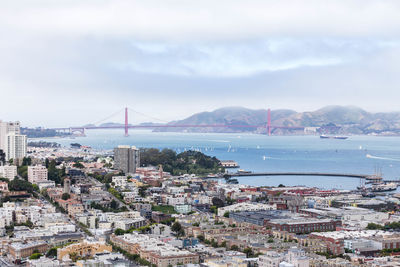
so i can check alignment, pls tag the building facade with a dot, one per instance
(37, 174)
(16, 146)
(126, 159)
(8, 172)
(156, 252)
(19, 251)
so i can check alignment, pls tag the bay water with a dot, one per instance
(261, 153)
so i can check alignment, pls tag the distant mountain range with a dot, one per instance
(328, 120)
(349, 119)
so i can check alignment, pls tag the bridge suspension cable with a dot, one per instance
(147, 116)
(109, 117)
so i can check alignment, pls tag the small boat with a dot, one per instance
(383, 187)
(323, 136)
(368, 194)
(243, 171)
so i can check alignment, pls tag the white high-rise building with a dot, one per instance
(12, 142)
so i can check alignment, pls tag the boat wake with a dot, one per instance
(382, 158)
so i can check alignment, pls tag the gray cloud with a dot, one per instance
(74, 62)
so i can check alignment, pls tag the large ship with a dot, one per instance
(383, 187)
(323, 136)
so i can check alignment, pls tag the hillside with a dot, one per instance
(350, 119)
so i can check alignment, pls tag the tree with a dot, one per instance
(201, 238)
(281, 185)
(234, 247)
(213, 209)
(78, 165)
(23, 171)
(374, 226)
(35, 256)
(217, 202)
(20, 185)
(114, 204)
(177, 228)
(142, 191)
(249, 252)
(119, 231)
(29, 224)
(55, 174)
(65, 196)
(26, 161)
(226, 214)
(52, 253)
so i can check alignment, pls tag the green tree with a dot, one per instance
(213, 209)
(78, 165)
(23, 171)
(177, 228)
(249, 252)
(20, 185)
(234, 247)
(226, 214)
(217, 202)
(119, 231)
(26, 161)
(54, 173)
(113, 204)
(65, 196)
(35, 256)
(142, 191)
(374, 226)
(52, 253)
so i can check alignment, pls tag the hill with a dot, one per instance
(349, 119)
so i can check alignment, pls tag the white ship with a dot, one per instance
(383, 187)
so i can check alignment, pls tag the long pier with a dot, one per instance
(348, 175)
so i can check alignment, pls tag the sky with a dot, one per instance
(68, 63)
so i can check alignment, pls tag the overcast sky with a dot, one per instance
(74, 62)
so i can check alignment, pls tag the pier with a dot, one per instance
(373, 178)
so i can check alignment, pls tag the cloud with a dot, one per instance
(204, 20)
(74, 62)
(246, 58)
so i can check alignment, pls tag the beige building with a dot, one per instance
(83, 249)
(37, 174)
(19, 251)
(75, 207)
(8, 172)
(156, 252)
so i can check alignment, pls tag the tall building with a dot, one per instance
(126, 159)
(37, 174)
(12, 142)
(16, 146)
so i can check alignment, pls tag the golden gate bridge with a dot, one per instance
(126, 126)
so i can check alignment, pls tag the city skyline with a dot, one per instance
(80, 61)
